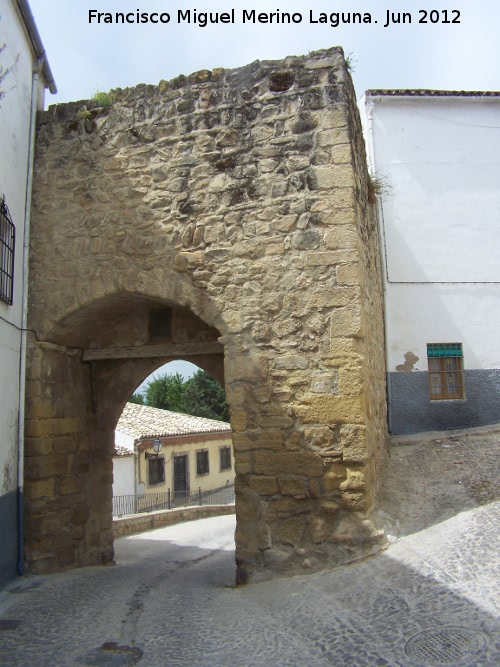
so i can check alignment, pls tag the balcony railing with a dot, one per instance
(151, 502)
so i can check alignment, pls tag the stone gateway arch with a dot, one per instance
(223, 218)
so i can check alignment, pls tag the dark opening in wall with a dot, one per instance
(160, 324)
(280, 81)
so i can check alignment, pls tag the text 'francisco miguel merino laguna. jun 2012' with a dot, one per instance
(251, 16)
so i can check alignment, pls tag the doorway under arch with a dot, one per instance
(173, 445)
(77, 386)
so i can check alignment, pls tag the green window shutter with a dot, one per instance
(444, 349)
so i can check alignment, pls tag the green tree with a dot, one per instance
(204, 397)
(137, 398)
(166, 392)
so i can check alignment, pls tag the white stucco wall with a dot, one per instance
(16, 95)
(441, 313)
(124, 440)
(124, 467)
(15, 114)
(124, 475)
(440, 157)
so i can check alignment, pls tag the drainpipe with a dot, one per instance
(371, 151)
(24, 320)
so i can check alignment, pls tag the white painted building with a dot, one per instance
(196, 453)
(24, 75)
(437, 156)
(125, 474)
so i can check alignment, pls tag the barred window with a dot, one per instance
(156, 470)
(202, 462)
(446, 371)
(7, 246)
(225, 458)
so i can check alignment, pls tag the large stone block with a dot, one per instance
(330, 410)
(353, 439)
(40, 488)
(341, 237)
(264, 485)
(251, 440)
(287, 463)
(347, 320)
(338, 176)
(40, 428)
(293, 486)
(71, 484)
(291, 531)
(42, 467)
(38, 446)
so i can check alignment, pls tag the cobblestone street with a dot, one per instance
(432, 598)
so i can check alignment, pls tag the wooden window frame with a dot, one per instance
(202, 463)
(156, 469)
(446, 371)
(222, 455)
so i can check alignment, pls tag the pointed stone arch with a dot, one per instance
(77, 386)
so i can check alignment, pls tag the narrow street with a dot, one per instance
(431, 598)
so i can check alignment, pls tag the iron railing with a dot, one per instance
(150, 502)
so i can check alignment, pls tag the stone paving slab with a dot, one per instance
(432, 598)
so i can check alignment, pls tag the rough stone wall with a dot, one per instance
(371, 341)
(67, 478)
(240, 198)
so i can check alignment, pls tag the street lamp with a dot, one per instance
(157, 445)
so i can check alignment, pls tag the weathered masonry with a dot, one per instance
(225, 218)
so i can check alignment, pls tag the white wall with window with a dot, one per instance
(22, 85)
(436, 157)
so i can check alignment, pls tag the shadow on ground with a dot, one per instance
(432, 598)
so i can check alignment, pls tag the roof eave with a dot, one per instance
(186, 434)
(36, 41)
(425, 92)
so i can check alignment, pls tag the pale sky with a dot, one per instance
(463, 54)
(184, 368)
(89, 57)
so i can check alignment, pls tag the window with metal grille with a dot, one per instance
(446, 371)
(156, 470)
(225, 458)
(7, 247)
(202, 462)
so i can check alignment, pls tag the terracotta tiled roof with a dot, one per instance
(141, 421)
(424, 92)
(121, 450)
